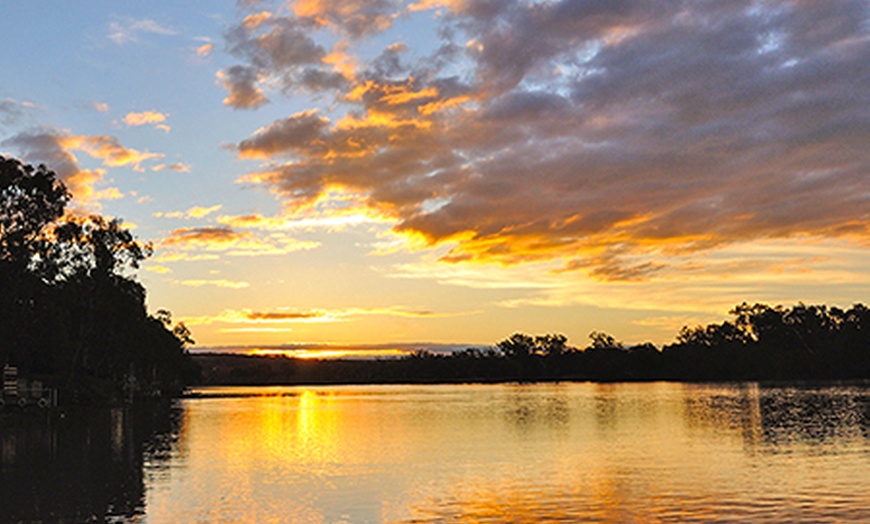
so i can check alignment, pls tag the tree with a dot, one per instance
(551, 346)
(517, 346)
(603, 341)
(71, 310)
(31, 199)
(92, 247)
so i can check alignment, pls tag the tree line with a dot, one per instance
(760, 342)
(72, 314)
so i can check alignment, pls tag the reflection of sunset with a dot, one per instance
(316, 440)
(507, 453)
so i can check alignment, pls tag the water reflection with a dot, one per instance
(80, 465)
(470, 453)
(547, 405)
(776, 418)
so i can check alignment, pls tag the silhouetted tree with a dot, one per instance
(827, 343)
(71, 311)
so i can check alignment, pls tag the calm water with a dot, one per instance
(487, 453)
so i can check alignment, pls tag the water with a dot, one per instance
(657, 452)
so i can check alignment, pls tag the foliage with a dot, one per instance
(71, 311)
(760, 343)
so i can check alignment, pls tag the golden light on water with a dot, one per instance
(513, 453)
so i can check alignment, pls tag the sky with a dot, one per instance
(386, 175)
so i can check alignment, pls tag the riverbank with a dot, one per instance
(477, 367)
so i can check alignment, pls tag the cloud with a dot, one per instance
(241, 82)
(200, 212)
(54, 148)
(358, 18)
(155, 268)
(11, 111)
(280, 316)
(280, 51)
(232, 284)
(204, 50)
(286, 315)
(100, 107)
(234, 243)
(320, 350)
(145, 117)
(128, 30)
(184, 257)
(108, 149)
(209, 236)
(177, 166)
(109, 193)
(331, 219)
(193, 212)
(612, 138)
(300, 131)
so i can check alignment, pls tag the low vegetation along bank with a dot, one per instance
(759, 343)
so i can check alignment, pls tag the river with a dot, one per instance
(644, 452)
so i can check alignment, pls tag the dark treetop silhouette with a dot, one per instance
(760, 343)
(72, 314)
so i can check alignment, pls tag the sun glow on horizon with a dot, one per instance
(328, 354)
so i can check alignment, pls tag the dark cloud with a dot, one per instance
(211, 235)
(53, 148)
(241, 83)
(281, 315)
(569, 129)
(44, 146)
(299, 131)
(273, 42)
(277, 49)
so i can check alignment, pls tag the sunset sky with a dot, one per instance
(435, 173)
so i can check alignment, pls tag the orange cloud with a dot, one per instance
(255, 20)
(342, 63)
(177, 166)
(145, 117)
(232, 284)
(234, 243)
(554, 133)
(204, 50)
(108, 149)
(207, 236)
(283, 316)
(55, 149)
(110, 193)
(358, 18)
(200, 212)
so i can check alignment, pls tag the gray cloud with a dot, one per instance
(52, 147)
(571, 129)
(273, 42)
(10, 111)
(299, 131)
(44, 146)
(241, 82)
